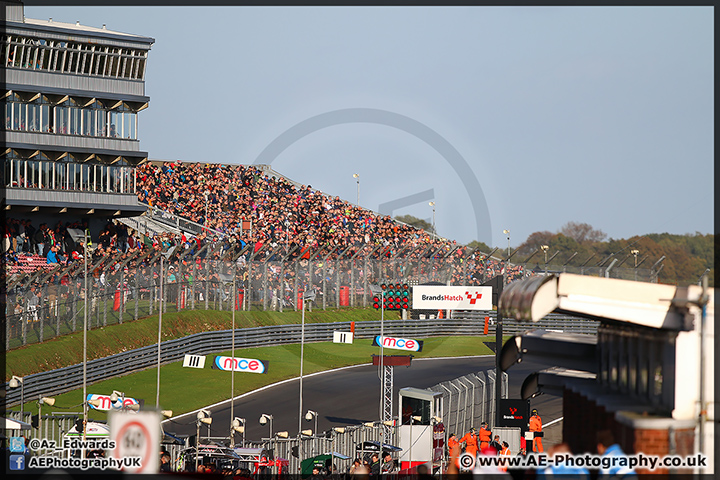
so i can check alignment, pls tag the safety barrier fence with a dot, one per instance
(51, 302)
(343, 440)
(467, 402)
(470, 400)
(65, 379)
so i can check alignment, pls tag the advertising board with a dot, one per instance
(442, 297)
(246, 365)
(407, 344)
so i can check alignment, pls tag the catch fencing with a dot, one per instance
(467, 401)
(58, 299)
(470, 400)
(61, 380)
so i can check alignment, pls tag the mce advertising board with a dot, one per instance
(441, 297)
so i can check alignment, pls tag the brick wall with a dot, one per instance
(583, 418)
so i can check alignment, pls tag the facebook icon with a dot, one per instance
(17, 462)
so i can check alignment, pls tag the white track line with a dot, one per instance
(554, 421)
(194, 412)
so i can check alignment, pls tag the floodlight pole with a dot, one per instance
(232, 373)
(197, 440)
(498, 349)
(382, 355)
(85, 321)
(160, 312)
(302, 355)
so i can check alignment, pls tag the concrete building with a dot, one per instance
(648, 376)
(72, 97)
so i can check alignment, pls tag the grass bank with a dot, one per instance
(102, 342)
(211, 385)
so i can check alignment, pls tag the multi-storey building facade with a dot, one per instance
(72, 97)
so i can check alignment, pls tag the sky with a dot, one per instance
(536, 116)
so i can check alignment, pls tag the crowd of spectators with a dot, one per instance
(296, 220)
(222, 196)
(288, 223)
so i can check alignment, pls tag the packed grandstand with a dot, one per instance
(289, 224)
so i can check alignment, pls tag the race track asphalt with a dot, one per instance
(348, 396)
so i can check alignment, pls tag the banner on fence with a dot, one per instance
(442, 297)
(398, 343)
(105, 403)
(247, 365)
(342, 337)
(194, 361)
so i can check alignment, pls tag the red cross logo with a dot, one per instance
(473, 298)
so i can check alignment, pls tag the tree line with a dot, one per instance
(687, 257)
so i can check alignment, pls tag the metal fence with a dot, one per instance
(468, 400)
(61, 380)
(53, 300)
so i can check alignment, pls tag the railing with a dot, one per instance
(468, 401)
(55, 382)
(179, 223)
(51, 302)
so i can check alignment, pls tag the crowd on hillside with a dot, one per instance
(288, 222)
(300, 239)
(221, 196)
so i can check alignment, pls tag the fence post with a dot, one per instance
(151, 287)
(57, 317)
(265, 288)
(337, 281)
(179, 282)
(25, 318)
(137, 295)
(192, 285)
(483, 392)
(73, 307)
(352, 283)
(457, 404)
(310, 280)
(324, 280)
(281, 293)
(472, 399)
(121, 286)
(96, 307)
(40, 311)
(493, 400)
(104, 304)
(295, 290)
(164, 290)
(207, 282)
(365, 280)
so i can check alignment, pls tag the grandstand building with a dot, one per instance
(72, 96)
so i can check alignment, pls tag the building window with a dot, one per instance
(604, 355)
(613, 361)
(62, 119)
(8, 115)
(623, 363)
(45, 118)
(632, 364)
(33, 117)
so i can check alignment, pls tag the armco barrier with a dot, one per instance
(65, 379)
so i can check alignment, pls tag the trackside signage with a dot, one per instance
(407, 344)
(441, 297)
(106, 404)
(247, 365)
